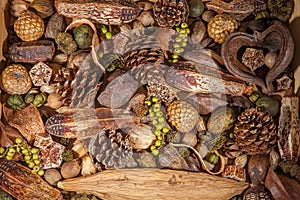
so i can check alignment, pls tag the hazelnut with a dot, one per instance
(271, 59)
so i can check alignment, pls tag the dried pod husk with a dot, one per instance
(55, 25)
(87, 166)
(196, 8)
(221, 120)
(70, 169)
(60, 58)
(257, 168)
(241, 160)
(44, 8)
(141, 137)
(17, 6)
(234, 172)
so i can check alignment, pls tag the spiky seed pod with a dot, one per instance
(169, 13)
(220, 26)
(110, 148)
(182, 115)
(66, 43)
(15, 79)
(29, 26)
(255, 131)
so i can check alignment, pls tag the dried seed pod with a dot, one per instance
(65, 43)
(270, 59)
(234, 172)
(141, 137)
(83, 36)
(52, 176)
(146, 18)
(60, 58)
(44, 8)
(241, 160)
(15, 79)
(257, 168)
(221, 120)
(17, 7)
(29, 26)
(40, 74)
(253, 58)
(281, 9)
(274, 159)
(54, 101)
(55, 25)
(220, 26)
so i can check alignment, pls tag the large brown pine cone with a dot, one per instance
(255, 131)
(110, 148)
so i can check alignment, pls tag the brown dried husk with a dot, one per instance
(154, 184)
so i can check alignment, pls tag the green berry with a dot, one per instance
(182, 31)
(154, 99)
(156, 105)
(181, 50)
(152, 147)
(212, 158)
(2, 150)
(31, 164)
(176, 45)
(35, 156)
(178, 29)
(159, 113)
(184, 25)
(231, 135)
(158, 143)
(187, 31)
(148, 103)
(157, 132)
(108, 35)
(104, 30)
(25, 152)
(37, 162)
(100, 54)
(160, 119)
(8, 157)
(11, 154)
(178, 39)
(34, 150)
(177, 51)
(185, 39)
(151, 114)
(12, 150)
(41, 172)
(156, 110)
(165, 130)
(184, 44)
(154, 122)
(175, 56)
(26, 158)
(175, 60)
(159, 126)
(155, 152)
(159, 137)
(36, 168)
(18, 140)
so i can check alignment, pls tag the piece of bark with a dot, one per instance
(292, 187)
(28, 121)
(275, 186)
(154, 184)
(3, 34)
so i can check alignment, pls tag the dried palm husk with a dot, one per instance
(139, 183)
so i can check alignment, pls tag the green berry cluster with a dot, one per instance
(180, 41)
(30, 154)
(212, 158)
(105, 31)
(158, 121)
(17, 102)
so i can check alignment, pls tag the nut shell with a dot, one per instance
(15, 79)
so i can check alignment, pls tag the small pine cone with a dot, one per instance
(162, 92)
(220, 26)
(255, 131)
(110, 148)
(182, 115)
(169, 13)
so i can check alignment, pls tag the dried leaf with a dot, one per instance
(275, 186)
(8, 135)
(28, 121)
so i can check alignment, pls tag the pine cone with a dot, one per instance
(170, 12)
(110, 148)
(255, 131)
